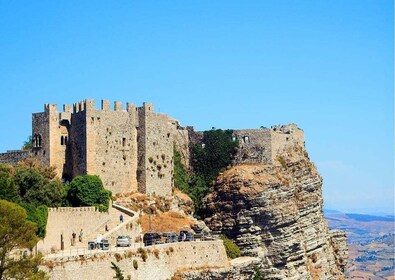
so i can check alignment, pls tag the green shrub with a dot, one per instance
(258, 275)
(143, 253)
(88, 190)
(135, 264)
(37, 215)
(232, 250)
(216, 155)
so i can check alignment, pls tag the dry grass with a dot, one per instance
(164, 222)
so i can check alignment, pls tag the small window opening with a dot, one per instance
(65, 140)
(246, 139)
(62, 140)
(123, 142)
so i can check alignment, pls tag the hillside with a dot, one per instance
(371, 244)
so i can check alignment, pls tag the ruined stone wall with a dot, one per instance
(13, 157)
(170, 259)
(112, 145)
(254, 146)
(284, 136)
(66, 220)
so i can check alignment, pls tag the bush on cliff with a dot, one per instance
(207, 161)
(88, 190)
(232, 250)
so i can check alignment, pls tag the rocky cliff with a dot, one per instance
(274, 212)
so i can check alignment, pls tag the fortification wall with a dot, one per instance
(77, 160)
(254, 146)
(156, 147)
(283, 136)
(13, 157)
(40, 136)
(66, 220)
(183, 256)
(112, 145)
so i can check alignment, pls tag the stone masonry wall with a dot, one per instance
(170, 259)
(13, 157)
(40, 123)
(157, 145)
(112, 145)
(66, 220)
(283, 136)
(254, 146)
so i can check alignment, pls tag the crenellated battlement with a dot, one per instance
(73, 209)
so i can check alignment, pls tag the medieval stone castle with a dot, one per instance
(131, 148)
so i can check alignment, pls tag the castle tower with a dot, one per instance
(50, 137)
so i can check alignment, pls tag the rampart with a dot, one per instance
(13, 157)
(161, 263)
(63, 221)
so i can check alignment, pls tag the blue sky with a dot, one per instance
(326, 65)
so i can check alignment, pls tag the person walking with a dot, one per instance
(73, 236)
(80, 235)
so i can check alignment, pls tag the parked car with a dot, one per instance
(170, 237)
(151, 238)
(123, 241)
(104, 244)
(185, 236)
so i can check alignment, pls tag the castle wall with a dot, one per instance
(156, 142)
(112, 146)
(13, 157)
(66, 220)
(77, 156)
(254, 146)
(40, 135)
(285, 136)
(182, 256)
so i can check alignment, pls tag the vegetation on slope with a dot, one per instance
(17, 233)
(208, 159)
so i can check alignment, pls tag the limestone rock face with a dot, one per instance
(274, 212)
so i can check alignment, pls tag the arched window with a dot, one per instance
(65, 140)
(62, 140)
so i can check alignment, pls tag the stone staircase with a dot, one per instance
(114, 224)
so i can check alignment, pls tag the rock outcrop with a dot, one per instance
(274, 212)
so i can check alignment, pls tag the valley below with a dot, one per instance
(371, 244)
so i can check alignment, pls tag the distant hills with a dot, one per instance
(371, 242)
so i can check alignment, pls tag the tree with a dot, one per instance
(28, 144)
(8, 189)
(88, 190)
(118, 272)
(17, 233)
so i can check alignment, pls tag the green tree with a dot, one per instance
(8, 189)
(215, 154)
(28, 144)
(232, 250)
(38, 185)
(17, 233)
(181, 176)
(118, 272)
(88, 190)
